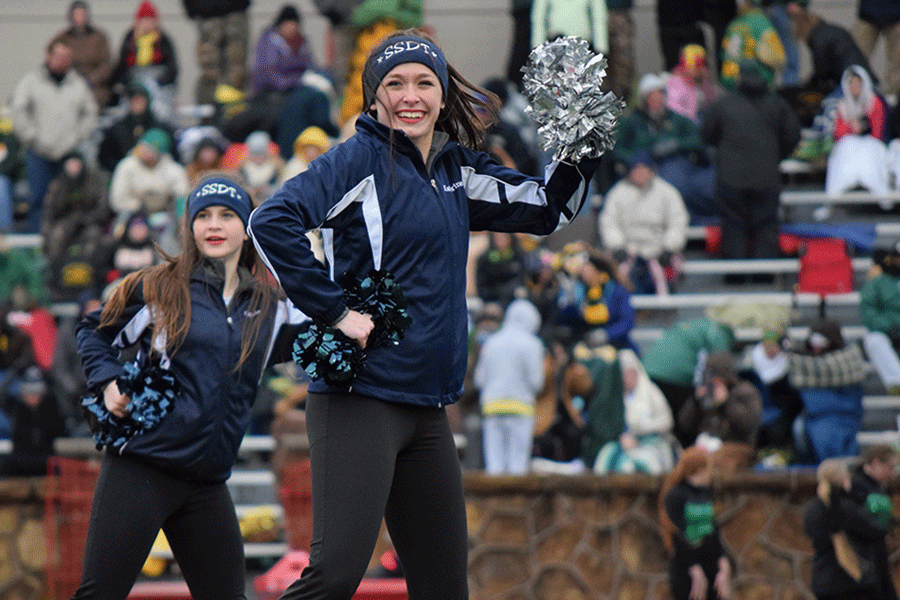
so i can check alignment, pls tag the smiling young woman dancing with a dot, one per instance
(399, 196)
(207, 317)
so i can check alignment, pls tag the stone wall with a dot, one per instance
(580, 538)
(22, 539)
(550, 538)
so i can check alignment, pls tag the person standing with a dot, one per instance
(699, 567)
(510, 374)
(869, 481)
(222, 32)
(753, 130)
(875, 19)
(400, 196)
(54, 112)
(90, 51)
(207, 317)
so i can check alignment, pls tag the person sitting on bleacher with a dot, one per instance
(859, 157)
(879, 307)
(829, 375)
(644, 224)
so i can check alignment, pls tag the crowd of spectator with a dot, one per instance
(94, 158)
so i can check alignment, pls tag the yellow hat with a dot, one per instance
(312, 136)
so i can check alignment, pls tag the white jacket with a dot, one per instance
(136, 186)
(53, 119)
(644, 222)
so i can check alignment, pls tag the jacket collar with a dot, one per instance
(439, 141)
(211, 271)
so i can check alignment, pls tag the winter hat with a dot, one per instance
(219, 191)
(146, 9)
(404, 49)
(157, 138)
(650, 82)
(691, 57)
(287, 13)
(641, 157)
(258, 143)
(312, 136)
(136, 88)
(33, 382)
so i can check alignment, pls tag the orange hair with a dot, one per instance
(692, 461)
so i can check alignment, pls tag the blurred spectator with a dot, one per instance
(505, 134)
(678, 23)
(643, 224)
(859, 157)
(90, 51)
(870, 482)
(832, 48)
(541, 286)
(620, 70)
(875, 19)
(841, 535)
(500, 269)
(147, 56)
(66, 374)
(602, 313)
(558, 420)
(21, 266)
(698, 567)
(646, 444)
(691, 88)
(781, 21)
(311, 142)
(12, 169)
(879, 309)
(53, 113)
(753, 129)
(585, 19)
(306, 106)
(124, 133)
(724, 412)
(76, 214)
(35, 425)
(222, 32)
(133, 249)
(205, 159)
(510, 373)
(751, 36)
(674, 144)
(829, 375)
(261, 169)
(768, 360)
(673, 361)
(343, 32)
(148, 178)
(31, 316)
(282, 55)
(520, 11)
(16, 353)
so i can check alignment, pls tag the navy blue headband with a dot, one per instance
(219, 191)
(409, 48)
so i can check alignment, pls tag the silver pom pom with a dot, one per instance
(562, 82)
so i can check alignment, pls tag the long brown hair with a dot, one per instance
(692, 461)
(458, 118)
(166, 288)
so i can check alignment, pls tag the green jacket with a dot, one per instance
(879, 304)
(22, 266)
(407, 13)
(751, 36)
(669, 136)
(605, 410)
(673, 358)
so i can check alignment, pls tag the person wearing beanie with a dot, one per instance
(400, 196)
(699, 567)
(691, 88)
(147, 55)
(673, 142)
(122, 136)
(282, 55)
(262, 169)
(150, 180)
(91, 56)
(215, 320)
(36, 423)
(643, 223)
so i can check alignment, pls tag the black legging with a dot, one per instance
(370, 459)
(132, 501)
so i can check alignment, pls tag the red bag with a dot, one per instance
(825, 267)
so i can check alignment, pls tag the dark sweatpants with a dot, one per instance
(132, 501)
(749, 221)
(370, 459)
